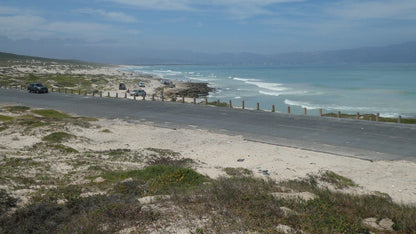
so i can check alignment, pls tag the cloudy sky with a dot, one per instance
(212, 26)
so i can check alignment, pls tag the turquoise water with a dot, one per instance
(388, 89)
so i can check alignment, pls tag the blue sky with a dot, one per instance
(212, 26)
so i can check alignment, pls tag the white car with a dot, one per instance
(141, 84)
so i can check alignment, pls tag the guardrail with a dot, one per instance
(205, 101)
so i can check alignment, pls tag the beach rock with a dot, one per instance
(386, 224)
(371, 223)
(281, 228)
(98, 180)
(152, 199)
(287, 211)
(306, 196)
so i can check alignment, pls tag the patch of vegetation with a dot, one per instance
(167, 160)
(5, 118)
(106, 131)
(219, 104)
(164, 152)
(17, 109)
(52, 114)
(58, 137)
(238, 171)
(6, 202)
(100, 213)
(371, 117)
(160, 179)
(338, 181)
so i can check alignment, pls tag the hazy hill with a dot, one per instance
(399, 53)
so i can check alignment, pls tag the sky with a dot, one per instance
(208, 26)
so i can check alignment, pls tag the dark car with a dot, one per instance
(122, 86)
(37, 88)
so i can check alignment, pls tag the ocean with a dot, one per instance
(388, 89)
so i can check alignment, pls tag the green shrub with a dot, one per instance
(58, 137)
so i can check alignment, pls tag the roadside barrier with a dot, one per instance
(194, 101)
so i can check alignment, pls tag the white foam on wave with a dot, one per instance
(262, 84)
(328, 107)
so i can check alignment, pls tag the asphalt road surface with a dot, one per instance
(344, 137)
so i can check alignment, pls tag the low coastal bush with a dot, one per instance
(52, 114)
(58, 137)
(17, 109)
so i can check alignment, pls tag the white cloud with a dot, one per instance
(111, 15)
(382, 9)
(169, 5)
(238, 9)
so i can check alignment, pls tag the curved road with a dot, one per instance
(352, 138)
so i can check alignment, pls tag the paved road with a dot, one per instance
(353, 138)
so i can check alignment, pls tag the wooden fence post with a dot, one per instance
(273, 108)
(288, 109)
(194, 100)
(101, 93)
(206, 101)
(242, 105)
(320, 112)
(135, 97)
(339, 114)
(399, 119)
(231, 105)
(358, 115)
(377, 117)
(125, 95)
(304, 111)
(153, 97)
(183, 99)
(258, 106)
(108, 94)
(79, 91)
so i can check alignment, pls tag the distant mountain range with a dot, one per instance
(399, 53)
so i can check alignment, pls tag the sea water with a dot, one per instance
(388, 89)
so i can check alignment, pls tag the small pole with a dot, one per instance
(218, 101)
(65, 90)
(339, 114)
(258, 106)
(358, 115)
(52, 90)
(242, 105)
(194, 100)
(231, 105)
(304, 111)
(377, 117)
(93, 93)
(72, 91)
(116, 95)
(125, 95)
(273, 108)
(206, 101)
(59, 90)
(320, 112)
(108, 94)
(163, 98)
(135, 97)
(288, 109)
(101, 93)
(183, 99)
(85, 94)
(79, 91)
(144, 97)
(399, 119)
(153, 97)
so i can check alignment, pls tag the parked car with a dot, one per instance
(37, 88)
(122, 86)
(141, 84)
(138, 92)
